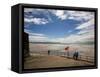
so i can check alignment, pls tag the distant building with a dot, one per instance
(26, 45)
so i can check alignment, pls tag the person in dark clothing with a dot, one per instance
(48, 52)
(75, 55)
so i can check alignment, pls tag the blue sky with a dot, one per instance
(65, 26)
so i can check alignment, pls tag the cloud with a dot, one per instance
(82, 32)
(85, 29)
(59, 13)
(30, 32)
(37, 21)
(86, 25)
(73, 15)
(37, 16)
(36, 37)
(74, 38)
(85, 34)
(81, 15)
(36, 34)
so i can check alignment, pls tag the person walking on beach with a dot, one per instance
(75, 55)
(48, 52)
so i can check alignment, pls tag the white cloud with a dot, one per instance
(68, 39)
(37, 38)
(85, 25)
(81, 15)
(82, 32)
(37, 34)
(37, 21)
(33, 16)
(61, 14)
(75, 15)
(86, 30)
(75, 38)
(85, 34)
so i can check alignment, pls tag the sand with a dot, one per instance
(37, 61)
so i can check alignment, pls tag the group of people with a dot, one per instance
(76, 55)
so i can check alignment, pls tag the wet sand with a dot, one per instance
(43, 61)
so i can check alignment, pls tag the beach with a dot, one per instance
(39, 57)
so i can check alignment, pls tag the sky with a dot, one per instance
(64, 26)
